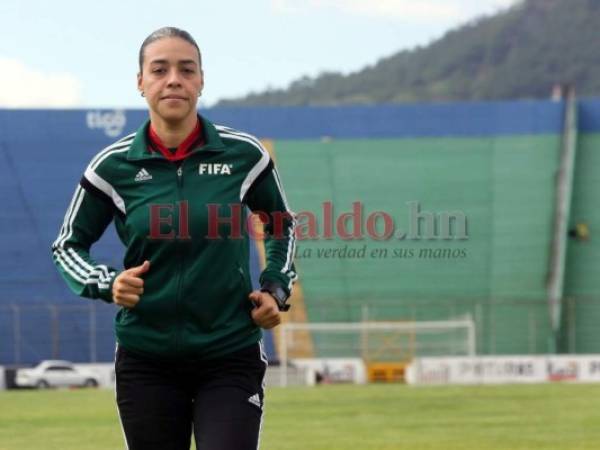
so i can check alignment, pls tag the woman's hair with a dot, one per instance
(167, 32)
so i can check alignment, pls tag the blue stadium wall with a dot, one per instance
(339, 154)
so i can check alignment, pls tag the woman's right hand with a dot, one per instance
(129, 286)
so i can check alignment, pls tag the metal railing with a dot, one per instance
(85, 332)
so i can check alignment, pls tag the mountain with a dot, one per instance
(521, 52)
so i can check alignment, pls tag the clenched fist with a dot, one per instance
(129, 286)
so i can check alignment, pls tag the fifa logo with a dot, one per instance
(215, 169)
(112, 122)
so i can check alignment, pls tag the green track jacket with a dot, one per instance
(190, 221)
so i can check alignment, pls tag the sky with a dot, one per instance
(74, 54)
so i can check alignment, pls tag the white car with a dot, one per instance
(56, 374)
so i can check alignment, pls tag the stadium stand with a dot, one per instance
(494, 162)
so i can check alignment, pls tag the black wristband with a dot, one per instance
(278, 294)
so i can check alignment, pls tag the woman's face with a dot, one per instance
(171, 79)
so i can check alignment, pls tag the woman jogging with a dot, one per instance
(189, 353)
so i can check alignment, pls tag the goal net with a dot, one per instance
(373, 342)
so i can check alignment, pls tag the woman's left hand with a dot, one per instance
(266, 312)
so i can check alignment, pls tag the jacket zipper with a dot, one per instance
(181, 268)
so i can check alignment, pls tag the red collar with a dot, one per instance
(195, 138)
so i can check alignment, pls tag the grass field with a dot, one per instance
(375, 417)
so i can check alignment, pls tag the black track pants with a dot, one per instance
(221, 400)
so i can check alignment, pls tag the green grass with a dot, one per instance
(375, 417)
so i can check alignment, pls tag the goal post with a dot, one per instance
(380, 341)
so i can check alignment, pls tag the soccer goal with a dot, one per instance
(374, 342)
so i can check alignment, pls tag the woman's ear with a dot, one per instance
(140, 83)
